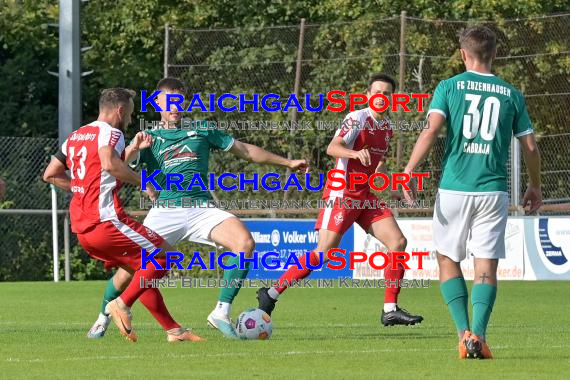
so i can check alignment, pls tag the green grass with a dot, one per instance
(318, 333)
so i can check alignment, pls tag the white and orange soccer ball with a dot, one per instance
(254, 324)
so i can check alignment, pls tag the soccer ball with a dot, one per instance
(254, 324)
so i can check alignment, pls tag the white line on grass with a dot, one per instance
(248, 354)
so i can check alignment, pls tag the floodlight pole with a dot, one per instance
(69, 109)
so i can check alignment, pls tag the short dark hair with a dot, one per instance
(479, 41)
(114, 97)
(381, 77)
(172, 84)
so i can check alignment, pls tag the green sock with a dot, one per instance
(227, 294)
(454, 292)
(110, 294)
(483, 298)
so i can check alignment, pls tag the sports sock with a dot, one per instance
(483, 298)
(389, 306)
(294, 273)
(454, 292)
(223, 308)
(273, 293)
(228, 293)
(153, 301)
(392, 277)
(134, 290)
(110, 294)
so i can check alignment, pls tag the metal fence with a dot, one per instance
(534, 54)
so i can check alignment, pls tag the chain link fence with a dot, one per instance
(533, 54)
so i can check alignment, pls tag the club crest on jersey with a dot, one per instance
(338, 219)
(151, 234)
(176, 154)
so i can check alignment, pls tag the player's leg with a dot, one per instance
(234, 235)
(170, 224)
(451, 226)
(483, 297)
(488, 246)
(152, 300)
(268, 297)
(120, 243)
(120, 308)
(386, 230)
(454, 291)
(154, 303)
(332, 223)
(114, 288)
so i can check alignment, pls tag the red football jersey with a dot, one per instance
(95, 191)
(360, 131)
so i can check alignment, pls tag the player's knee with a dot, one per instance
(399, 244)
(121, 279)
(245, 244)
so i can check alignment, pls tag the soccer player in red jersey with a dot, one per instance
(359, 147)
(93, 154)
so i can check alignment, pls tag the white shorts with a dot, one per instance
(185, 223)
(468, 221)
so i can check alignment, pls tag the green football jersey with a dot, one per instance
(185, 151)
(482, 112)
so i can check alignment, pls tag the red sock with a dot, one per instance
(152, 300)
(392, 288)
(135, 290)
(293, 273)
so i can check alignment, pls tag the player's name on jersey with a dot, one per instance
(341, 282)
(483, 86)
(278, 204)
(273, 125)
(476, 148)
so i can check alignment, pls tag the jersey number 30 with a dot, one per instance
(82, 154)
(472, 121)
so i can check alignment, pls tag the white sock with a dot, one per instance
(102, 317)
(223, 308)
(273, 293)
(388, 307)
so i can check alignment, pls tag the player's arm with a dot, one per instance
(112, 163)
(423, 146)
(337, 149)
(383, 168)
(140, 141)
(531, 155)
(259, 155)
(55, 173)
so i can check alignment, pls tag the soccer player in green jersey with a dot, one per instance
(482, 113)
(186, 151)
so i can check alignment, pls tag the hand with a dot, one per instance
(151, 192)
(533, 199)
(299, 165)
(364, 157)
(141, 141)
(410, 195)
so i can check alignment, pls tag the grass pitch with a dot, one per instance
(318, 333)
